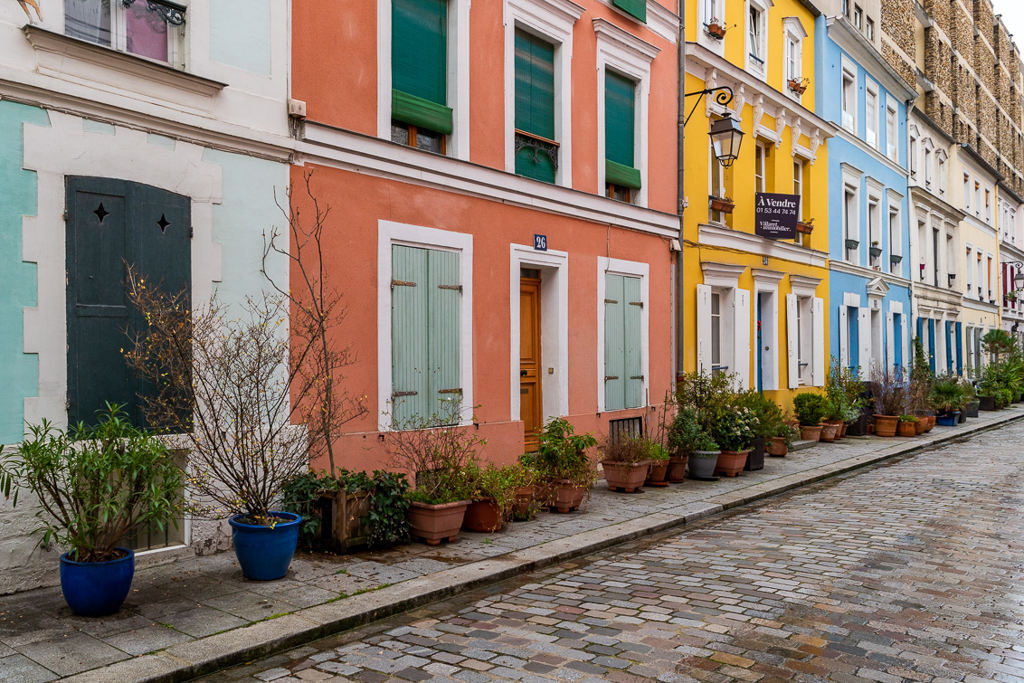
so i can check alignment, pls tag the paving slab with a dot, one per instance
(216, 617)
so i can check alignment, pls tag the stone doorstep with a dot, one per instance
(189, 660)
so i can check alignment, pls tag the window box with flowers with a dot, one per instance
(722, 204)
(799, 85)
(875, 249)
(805, 227)
(715, 28)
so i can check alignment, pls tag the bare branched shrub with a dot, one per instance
(317, 312)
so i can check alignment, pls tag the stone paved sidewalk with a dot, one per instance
(201, 614)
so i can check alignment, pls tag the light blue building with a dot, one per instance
(869, 243)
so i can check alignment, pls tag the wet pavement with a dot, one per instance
(908, 571)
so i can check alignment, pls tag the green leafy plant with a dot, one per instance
(1000, 343)
(787, 432)
(562, 454)
(389, 502)
(767, 413)
(734, 428)
(948, 394)
(500, 484)
(628, 450)
(655, 451)
(909, 418)
(810, 408)
(843, 391)
(300, 495)
(437, 450)
(703, 443)
(891, 390)
(95, 485)
(684, 431)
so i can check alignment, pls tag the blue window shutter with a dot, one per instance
(854, 327)
(897, 329)
(614, 343)
(931, 343)
(959, 349)
(635, 8)
(444, 304)
(633, 351)
(410, 384)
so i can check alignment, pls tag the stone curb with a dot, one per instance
(189, 660)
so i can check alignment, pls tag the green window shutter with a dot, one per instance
(634, 8)
(614, 348)
(623, 176)
(419, 48)
(535, 86)
(444, 305)
(421, 112)
(619, 122)
(410, 391)
(633, 352)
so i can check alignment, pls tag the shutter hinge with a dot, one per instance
(639, 377)
(396, 394)
(608, 378)
(456, 390)
(191, 232)
(456, 287)
(65, 216)
(401, 283)
(637, 303)
(610, 301)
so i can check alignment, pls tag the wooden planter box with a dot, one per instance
(342, 526)
(804, 228)
(721, 205)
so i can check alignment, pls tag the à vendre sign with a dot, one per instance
(775, 215)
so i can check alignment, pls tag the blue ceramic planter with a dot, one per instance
(264, 553)
(96, 589)
(949, 419)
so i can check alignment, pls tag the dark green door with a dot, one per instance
(112, 224)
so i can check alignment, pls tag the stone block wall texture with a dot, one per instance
(984, 19)
(939, 111)
(965, 92)
(940, 12)
(963, 32)
(938, 60)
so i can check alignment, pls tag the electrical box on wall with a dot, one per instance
(296, 108)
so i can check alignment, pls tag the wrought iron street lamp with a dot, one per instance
(1018, 279)
(726, 134)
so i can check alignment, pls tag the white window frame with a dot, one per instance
(795, 34)
(872, 134)
(628, 56)
(970, 272)
(758, 69)
(760, 167)
(912, 160)
(895, 208)
(614, 266)
(799, 167)
(708, 10)
(892, 129)
(851, 228)
(552, 21)
(940, 158)
(723, 279)
(389, 234)
(177, 38)
(458, 75)
(849, 96)
(967, 192)
(714, 167)
(809, 308)
(767, 282)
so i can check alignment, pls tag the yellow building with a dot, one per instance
(753, 306)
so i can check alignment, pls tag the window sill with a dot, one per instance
(70, 51)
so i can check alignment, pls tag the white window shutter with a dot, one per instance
(792, 341)
(742, 346)
(703, 328)
(890, 341)
(818, 360)
(906, 341)
(844, 336)
(864, 343)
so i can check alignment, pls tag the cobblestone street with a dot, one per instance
(908, 571)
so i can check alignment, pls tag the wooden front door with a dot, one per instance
(530, 398)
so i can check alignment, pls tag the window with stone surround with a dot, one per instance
(154, 29)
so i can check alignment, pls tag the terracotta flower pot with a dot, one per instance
(483, 516)
(435, 523)
(810, 432)
(625, 476)
(839, 429)
(886, 425)
(828, 432)
(702, 464)
(777, 447)
(730, 463)
(919, 426)
(842, 429)
(567, 497)
(906, 429)
(657, 473)
(523, 501)
(929, 423)
(677, 469)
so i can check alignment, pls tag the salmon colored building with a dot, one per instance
(502, 182)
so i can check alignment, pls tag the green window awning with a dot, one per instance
(635, 8)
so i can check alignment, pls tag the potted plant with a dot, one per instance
(798, 85)
(805, 226)
(890, 400)
(440, 453)
(782, 440)
(715, 28)
(722, 204)
(875, 249)
(496, 495)
(844, 394)
(625, 463)
(95, 486)
(563, 463)
(907, 426)
(810, 409)
(704, 457)
(682, 433)
(733, 431)
(768, 417)
(658, 458)
(946, 397)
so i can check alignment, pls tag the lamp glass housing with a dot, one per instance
(726, 138)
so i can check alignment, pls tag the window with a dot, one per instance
(635, 8)
(988, 206)
(941, 173)
(759, 170)
(716, 334)
(870, 29)
(536, 149)
(794, 57)
(871, 116)
(110, 222)
(846, 7)
(989, 277)
(716, 184)
(154, 29)
(419, 74)
(927, 167)
(977, 198)
(970, 272)
(849, 101)
(895, 247)
(426, 300)
(622, 179)
(851, 226)
(858, 17)
(874, 230)
(623, 353)
(967, 192)
(891, 134)
(913, 157)
(936, 270)
(755, 39)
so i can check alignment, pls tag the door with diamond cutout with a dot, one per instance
(112, 224)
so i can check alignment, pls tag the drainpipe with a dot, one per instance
(680, 353)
